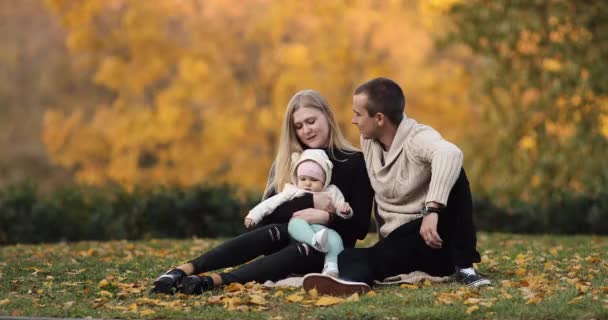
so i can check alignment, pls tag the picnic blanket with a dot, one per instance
(410, 278)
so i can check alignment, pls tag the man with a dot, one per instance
(423, 201)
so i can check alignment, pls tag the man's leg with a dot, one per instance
(403, 251)
(459, 231)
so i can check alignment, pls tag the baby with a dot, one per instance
(311, 173)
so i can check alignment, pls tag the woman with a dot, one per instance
(308, 123)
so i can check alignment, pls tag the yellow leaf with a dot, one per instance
(133, 307)
(534, 300)
(5, 301)
(215, 299)
(313, 293)
(328, 301)
(234, 287)
(506, 283)
(257, 299)
(294, 298)
(353, 298)
(68, 304)
(427, 282)
(105, 293)
(472, 309)
(520, 272)
(409, 286)
(371, 293)
(146, 312)
(103, 283)
(278, 294)
(576, 300)
(553, 65)
(232, 303)
(472, 301)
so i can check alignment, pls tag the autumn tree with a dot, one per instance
(200, 87)
(542, 95)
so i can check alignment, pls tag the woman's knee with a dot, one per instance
(276, 232)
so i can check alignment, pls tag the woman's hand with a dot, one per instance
(323, 201)
(312, 215)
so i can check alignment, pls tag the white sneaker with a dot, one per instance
(331, 269)
(319, 241)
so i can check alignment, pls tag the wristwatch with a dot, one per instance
(426, 210)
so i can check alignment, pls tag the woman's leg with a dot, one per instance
(243, 248)
(296, 258)
(233, 252)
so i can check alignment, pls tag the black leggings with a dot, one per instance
(282, 256)
(404, 250)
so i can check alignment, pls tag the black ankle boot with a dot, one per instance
(196, 285)
(168, 282)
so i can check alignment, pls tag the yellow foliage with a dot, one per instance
(201, 86)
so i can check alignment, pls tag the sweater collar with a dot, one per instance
(404, 129)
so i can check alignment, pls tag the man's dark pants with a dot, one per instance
(404, 250)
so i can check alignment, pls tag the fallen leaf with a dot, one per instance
(147, 312)
(576, 300)
(105, 293)
(68, 304)
(353, 298)
(409, 286)
(328, 301)
(294, 298)
(257, 299)
(5, 301)
(472, 309)
(313, 293)
(234, 287)
(103, 283)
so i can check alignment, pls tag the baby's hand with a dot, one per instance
(344, 208)
(249, 223)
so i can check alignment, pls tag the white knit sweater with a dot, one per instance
(419, 167)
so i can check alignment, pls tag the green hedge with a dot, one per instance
(564, 214)
(85, 213)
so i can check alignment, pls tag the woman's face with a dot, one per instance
(312, 127)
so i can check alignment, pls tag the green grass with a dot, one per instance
(541, 277)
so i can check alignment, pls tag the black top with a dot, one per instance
(350, 176)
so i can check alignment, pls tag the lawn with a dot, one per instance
(533, 277)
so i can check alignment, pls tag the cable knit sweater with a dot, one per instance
(419, 167)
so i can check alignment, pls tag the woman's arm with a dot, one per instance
(360, 197)
(312, 215)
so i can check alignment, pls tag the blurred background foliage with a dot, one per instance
(134, 95)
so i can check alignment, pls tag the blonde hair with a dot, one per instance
(289, 142)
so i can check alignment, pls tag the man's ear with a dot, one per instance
(380, 118)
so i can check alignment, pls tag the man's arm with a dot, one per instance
(445, 159)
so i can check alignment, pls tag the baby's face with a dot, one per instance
(310, 184)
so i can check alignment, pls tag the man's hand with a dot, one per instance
(323, 201)
(312, 216)
(428, 231)
(249, 223)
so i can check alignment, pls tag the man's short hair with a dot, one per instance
(385, 96)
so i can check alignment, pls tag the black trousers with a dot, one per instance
(404, 250)
(281, 256)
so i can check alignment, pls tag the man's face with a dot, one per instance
(368, 125)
